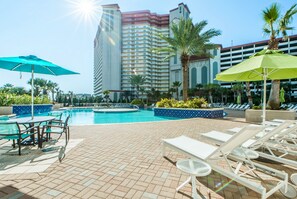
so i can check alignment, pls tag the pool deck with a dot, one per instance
(124, 161)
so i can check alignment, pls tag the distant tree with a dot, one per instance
(176, 85)
(211, 88)
(249, 94)
(39, 86)
(8, 85)
(52, 86)
(237, 88)
(71, 96)
(106, 96)
(137, 81)
(142, 92)
(224, 94)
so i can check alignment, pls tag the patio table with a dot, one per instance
(194, 168)
(31, 122)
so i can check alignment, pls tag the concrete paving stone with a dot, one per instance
(53, 193)
(71, 191)
(150, 195)
(130, 193)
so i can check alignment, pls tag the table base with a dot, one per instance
(195, 195)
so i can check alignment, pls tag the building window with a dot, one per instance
(214, 71)
(215, 52)
(193, 77)
(179, 9)
(204, 75)
(175, 59)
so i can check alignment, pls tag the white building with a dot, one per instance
(107, 51)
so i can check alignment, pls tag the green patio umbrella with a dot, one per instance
(33, 64)
(264, 65)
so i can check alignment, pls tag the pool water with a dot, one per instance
(87, 116)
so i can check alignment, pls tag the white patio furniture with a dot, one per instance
(194, 168)
(214, 155)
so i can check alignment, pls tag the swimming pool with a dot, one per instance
(87, 116)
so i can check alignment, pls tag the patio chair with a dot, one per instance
(270, 141)
(61, 129)
(58, 117)
(12, 131)
(212, 154)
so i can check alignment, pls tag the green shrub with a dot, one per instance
(7, 99)
(167, 103)
(172, 103)
(137, 102)
(257, 107)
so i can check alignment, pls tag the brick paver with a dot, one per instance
(125, 161)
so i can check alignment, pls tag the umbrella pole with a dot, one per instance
(32, 93)
(264, 96)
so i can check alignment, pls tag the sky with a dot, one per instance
(60, 31)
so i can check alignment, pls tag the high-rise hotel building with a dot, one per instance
(124, 46)
(107, 51)
(140, 30)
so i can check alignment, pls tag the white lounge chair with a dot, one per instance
(268, 140)
(212, 154)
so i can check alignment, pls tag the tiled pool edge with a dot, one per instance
(26, 109)
(189, 113)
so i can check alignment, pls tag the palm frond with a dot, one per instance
(271, 14)
(286, 20)
(266, 30)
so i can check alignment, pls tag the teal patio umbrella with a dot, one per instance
(33, 64)
(266, 64)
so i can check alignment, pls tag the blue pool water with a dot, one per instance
(87, 116)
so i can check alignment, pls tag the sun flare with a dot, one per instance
(87, 10)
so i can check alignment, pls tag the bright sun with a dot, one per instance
(86, 10)
(86, 7)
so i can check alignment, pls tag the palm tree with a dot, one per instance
(237, 88)
(71, 95)
(249, 94)
(39, 86)
(188, 41)
(176, 85)
(137, 81)
(51, 86)
(106, 96)
(142, 91)
(275, 24)
(211, 88)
